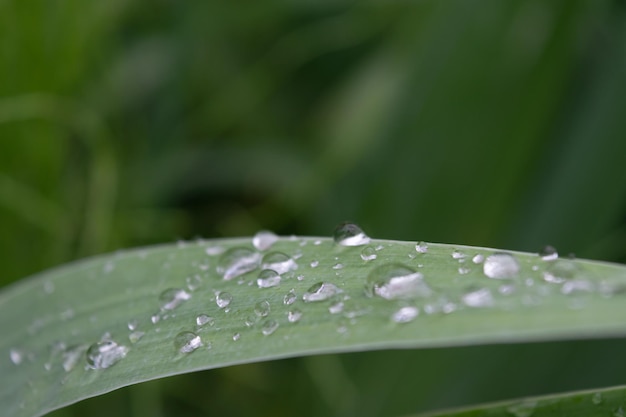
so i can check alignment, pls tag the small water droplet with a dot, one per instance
(478, 298)
(289, 298)
(396, 281)
(464, 271)
(172, 298)
(135, 336)
(349, 234)
(506, 289)
(223, 299)
(314, 264)
(320, 292)
(501, 266)
(279, 262)
(214, 250)
(262, 308)
(478, 259)
(338, 266)
(336, 308)
(597, 398)
(132, 325)
(264, 240)
(268, 278)
(71, 356)
(368, 253)
(294, 315)
(237, 261)
(548, 253)
(193, 282)
(456, 254)
(523, 409)
(577, 285)
(236, 337)
(105, 354)
(405, 314)
(317, 242)
(17, 356)
(204, 319)
(421, 247)
(187, 342)
(619, 412)
(560, 271)
(269, 327)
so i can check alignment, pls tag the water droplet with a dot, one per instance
(501, 266)
(17, 356)
(262, 308)
(187, 342)
(405, 314)
(368, 253)
(172, 298)
(314, 264)
(193, 282)
(577, 285)
(214, 250)
(338, 266)
(105, 354)
(478, 259)
(223, 299)
(279, 262)
(264, 240)
(320, 292)
(268, 278)
(619, 412)
(289, 298)
(294, 315)
(236, 337)
(596, 398)
(396, 281)
(478, 298)
(560, 271)
(132, 325)
(464, 271)
(349, 234)
(523, 409)
(336, 308)
(421, 247)
(204, 319)
(456, 254)
(269, 327)
(135, 336)
(549, 253)
(71, 356)
(506, 289)
(237, 261)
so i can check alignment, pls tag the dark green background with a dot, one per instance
(496, 123)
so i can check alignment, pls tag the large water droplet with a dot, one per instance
(501, 266)
(478, 259)
(320, 292)
(349, 234)
(549, 253)
(264, 240)
(294, 315)
(269, 327)
(289, 298)
(187, 342)
(405, 314)
(105, 354)
(237, 261)
(268, 278)
(478, 298)
(396, 281)
(279, 262)
(172, 298)
(262, 308)
(223, 299)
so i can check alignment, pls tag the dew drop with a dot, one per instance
(264, 240)
(268, 278)
(289, 298)
(132, 325)
(269, 327)
(463, 271)
(560, 271)
(396, 281)
(262, 308)
(294, 315)
(71, 356)
(105, 354)
(478, 298)
(523, 409)
(237, 261)
(349, 234)
(501, 266)
(619, 412)
(478, 259)
(223, 299)
(368, 253)
(548, 253)
(336, 308)
(320, 292)
(204, 319)
(421, 247)
(193, 282)
(172, 298)
(17, 356)
(135, 336)
(596, 398)
(187, 342)
(214, 250)
(236, 337)
(577, 285)
(456, 254)
(405, 314)
(338, 266)
(314, 264)
(279, 262)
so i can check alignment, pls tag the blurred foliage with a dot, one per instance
(124, 123)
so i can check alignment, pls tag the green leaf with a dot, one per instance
(49, 321)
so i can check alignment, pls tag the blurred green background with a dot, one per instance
(495, 123)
